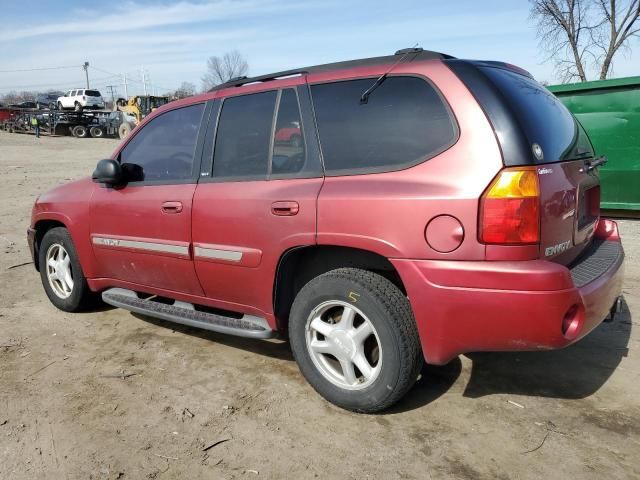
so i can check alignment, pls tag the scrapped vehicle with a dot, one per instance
(434, 206)
(47, 100)
(79, 99)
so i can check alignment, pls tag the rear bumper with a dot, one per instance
(506, 306)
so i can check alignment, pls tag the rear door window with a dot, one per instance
(404, 122)
(243, 138)
(288, 146)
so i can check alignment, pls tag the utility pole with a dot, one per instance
(144, 79)
(124, 82)
(85, 67)
(110, 87)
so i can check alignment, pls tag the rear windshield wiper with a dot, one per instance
(595, 163)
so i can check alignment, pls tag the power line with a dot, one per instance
(39, 69)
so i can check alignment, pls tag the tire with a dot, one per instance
(392, 349)
(59, 105)
(123, 130)
(96, 132)
(77, 107)
(80, 131)
(75, 297)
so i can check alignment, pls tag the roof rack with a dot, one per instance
(411, 55)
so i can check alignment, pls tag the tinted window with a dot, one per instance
(92, 93)
(163, 150)
(404, 122)
(243, 138)
(288, 146)
(544, 119)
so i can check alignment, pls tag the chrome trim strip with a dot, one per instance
(217, 254)
(138, 245)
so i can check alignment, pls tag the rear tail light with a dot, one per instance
(83, 97)
(510, 208)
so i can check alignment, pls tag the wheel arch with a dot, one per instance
(298, 265)
(42, 227)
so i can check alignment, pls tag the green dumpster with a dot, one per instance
(609, 110)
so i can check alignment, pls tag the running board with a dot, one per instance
(186, 314)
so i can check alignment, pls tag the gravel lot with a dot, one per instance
(65, 413)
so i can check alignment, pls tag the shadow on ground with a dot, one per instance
(273, 348)
(575, 372)
(571, 373)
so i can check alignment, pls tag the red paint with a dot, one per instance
(465, 295)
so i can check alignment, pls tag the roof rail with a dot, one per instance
(411, 54)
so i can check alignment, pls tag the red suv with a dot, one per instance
(425, 207)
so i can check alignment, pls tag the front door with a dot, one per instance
(141, 232)
(259, 197)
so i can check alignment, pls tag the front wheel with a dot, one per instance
(355, 340)
(61, 273)
(77, 107)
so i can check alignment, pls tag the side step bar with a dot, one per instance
(186, 314)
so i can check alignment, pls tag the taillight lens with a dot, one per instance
(510, 208)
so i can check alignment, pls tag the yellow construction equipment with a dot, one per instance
(135, 109)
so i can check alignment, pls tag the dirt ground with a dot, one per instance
(67, 412)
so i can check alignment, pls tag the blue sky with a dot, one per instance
(173, 39)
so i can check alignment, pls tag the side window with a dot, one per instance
(404, 122)
(163, 150)
(288, 145)
(72, 93)
(243, 137)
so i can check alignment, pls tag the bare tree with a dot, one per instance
(187, 89)
(222, 69)
(584, 35)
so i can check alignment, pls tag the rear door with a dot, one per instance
(257, 195)
(141, 232)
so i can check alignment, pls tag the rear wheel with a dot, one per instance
(61, 273)
(354, 337)
(79, 131)
(77, 107)
(96, 132)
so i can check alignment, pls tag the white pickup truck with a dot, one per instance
(79, 99)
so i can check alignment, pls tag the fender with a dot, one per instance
(73, 199)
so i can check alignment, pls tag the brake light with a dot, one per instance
(510, 208)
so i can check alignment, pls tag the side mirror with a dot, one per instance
(109, 172)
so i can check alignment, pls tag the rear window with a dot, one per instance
(542, 117)
(404, 122)
(92, 93)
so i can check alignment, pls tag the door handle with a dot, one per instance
(282, 209)
(172, 207)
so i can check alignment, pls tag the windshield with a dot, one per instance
(543, 118)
